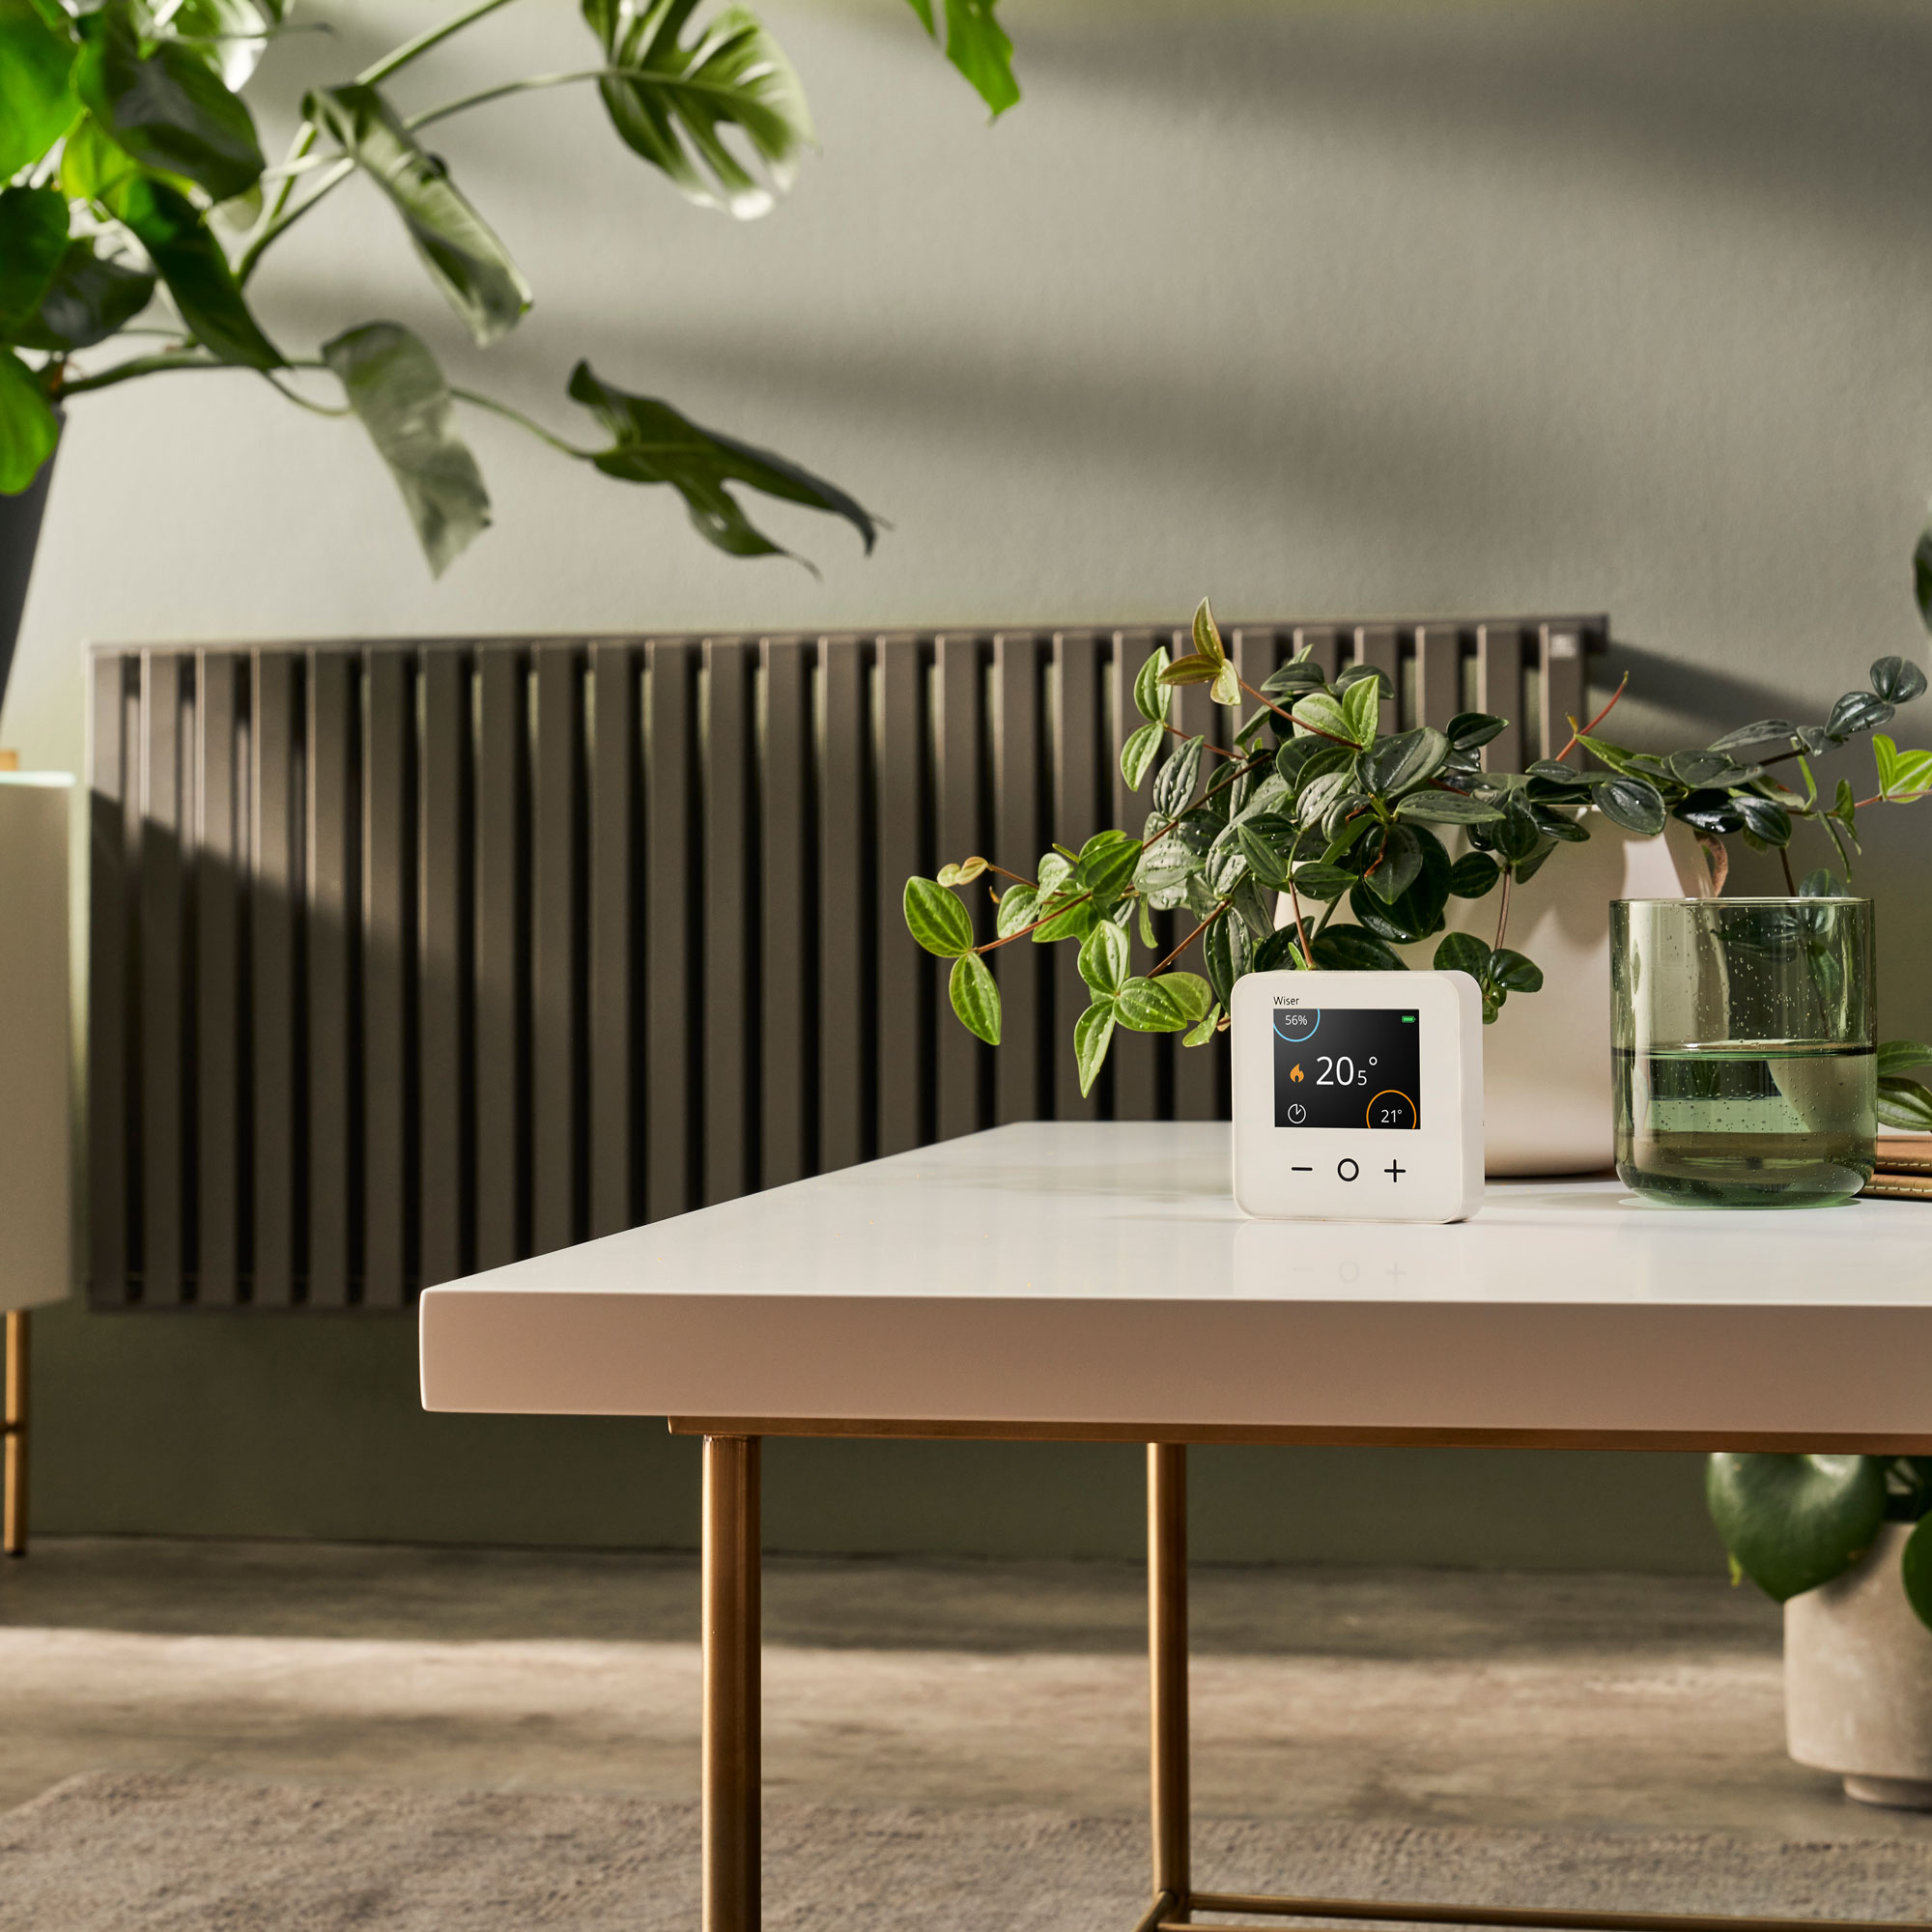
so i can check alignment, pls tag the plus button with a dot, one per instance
(1394, 1172)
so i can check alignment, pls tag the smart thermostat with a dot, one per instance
(1359, 1097)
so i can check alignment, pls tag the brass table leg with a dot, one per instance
(13, 1476)
(1167, 1674)
(1175, 1899)
(731, 1773)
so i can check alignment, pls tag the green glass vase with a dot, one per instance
(1745, 1050)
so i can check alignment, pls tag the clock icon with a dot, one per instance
(1297, 1113)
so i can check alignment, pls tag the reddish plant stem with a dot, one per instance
(1582, 731)
(1221, 785)
(1020, 933)
(1300, 930)
(1217, 913)
(1217, 750)
(1313, 729)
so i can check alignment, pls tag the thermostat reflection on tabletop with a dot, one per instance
(1359, 1097)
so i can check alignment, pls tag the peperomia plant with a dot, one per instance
(1314, 808)
(1792, 1522)
(136, 207)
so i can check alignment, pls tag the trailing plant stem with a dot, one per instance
(391, 63)
(135, 366)
(534, 427)
(1218, 751)
(431, 115)
(1021, 932)
(154, 366)
(410, 51)
(1280, 712)
(1217, 913)
(1300, 930)
(1503, 916)
(1584, 730)
(279, 224)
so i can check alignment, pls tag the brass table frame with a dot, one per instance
(732, 1771)
(14, 1439)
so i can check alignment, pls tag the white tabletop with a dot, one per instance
(1056, 1275)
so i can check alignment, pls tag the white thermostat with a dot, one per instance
(1359, 1097)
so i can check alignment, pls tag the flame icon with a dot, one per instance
(1294, 1072)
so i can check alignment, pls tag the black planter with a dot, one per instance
(20, 519)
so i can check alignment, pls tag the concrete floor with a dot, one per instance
(1425, 1696)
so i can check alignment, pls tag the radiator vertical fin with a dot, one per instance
(275, 1006)
(219, 860)
(616, 698)
(502, 1187)
(1023, 1072)
(901, 1039)
(844, 889)
(112, 1137)
(445, 1078)
(959, 762)
(788, 928)
(673, 997)
(731, 1029)
(557, 935)
(332, 934)
(389, 724)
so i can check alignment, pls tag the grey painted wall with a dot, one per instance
(1493, 304)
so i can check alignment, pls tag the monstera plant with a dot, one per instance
(139, 211)
(1314, 808)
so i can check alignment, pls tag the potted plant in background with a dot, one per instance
(1844, 1543)
(131, 158)
(1314, 837)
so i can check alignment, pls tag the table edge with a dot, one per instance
(1304, 1435)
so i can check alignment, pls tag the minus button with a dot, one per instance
(1301, 1170)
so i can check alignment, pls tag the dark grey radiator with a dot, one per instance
(409, 959)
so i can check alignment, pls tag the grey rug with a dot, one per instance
(110, 1853)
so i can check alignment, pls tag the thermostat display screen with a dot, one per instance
(1346, 1067)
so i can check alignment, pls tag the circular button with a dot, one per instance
(1347, 1169)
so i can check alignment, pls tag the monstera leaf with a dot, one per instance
(653, 443)
(1792, 1522)
(977, 44)
(464, 257)
(672, 99)
(399, 395)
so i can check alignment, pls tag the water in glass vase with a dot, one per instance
(1736, 1124)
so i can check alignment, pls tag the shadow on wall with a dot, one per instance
(1815, 111)
(1704, 693)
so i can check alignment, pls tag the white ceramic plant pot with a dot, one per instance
(1857, 1681)
(1547, 1058)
